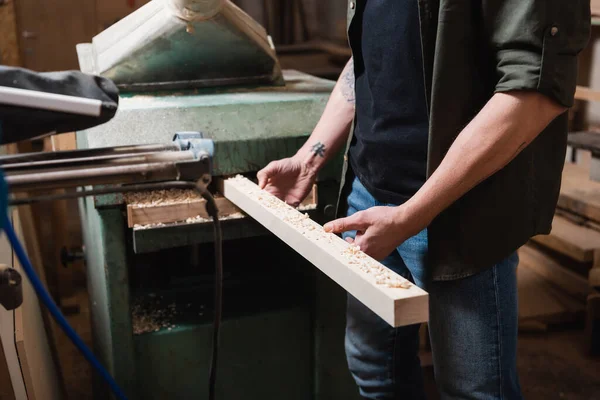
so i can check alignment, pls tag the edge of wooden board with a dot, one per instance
(397, 306)
(569, 281)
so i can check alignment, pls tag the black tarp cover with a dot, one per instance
(20, 123)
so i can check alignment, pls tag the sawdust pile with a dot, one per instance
(152, 317)
(158, 198)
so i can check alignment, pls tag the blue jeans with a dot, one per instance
(473, 330)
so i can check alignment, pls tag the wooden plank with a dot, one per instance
(571, 240)
(6, 389)
(386, 293)
(9, 45)
(170, 213)
(7, 337)
(177, 212)
(15, 390)
(578, 193)
(569, 281)
(64, 141)
(33, 347)
(587, 94)
(541, 302)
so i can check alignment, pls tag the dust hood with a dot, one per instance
(183, 44)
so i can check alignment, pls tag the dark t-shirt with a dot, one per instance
(389, 148)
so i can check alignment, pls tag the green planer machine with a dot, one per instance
(204, 68)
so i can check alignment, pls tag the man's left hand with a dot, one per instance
(379, 230)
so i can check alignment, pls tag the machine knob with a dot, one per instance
(11, 289)
(69, 256)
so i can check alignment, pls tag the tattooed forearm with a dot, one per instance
(347, 82)
(318, 149)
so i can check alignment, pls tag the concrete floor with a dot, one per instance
(552, 365)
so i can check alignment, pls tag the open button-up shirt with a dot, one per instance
(471, 50)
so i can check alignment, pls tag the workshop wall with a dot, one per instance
(9, 47)
(322, 19)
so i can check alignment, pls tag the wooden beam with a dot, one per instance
(559, 276)
(6, 387)
(542, 302)
(42, 378)
(393, 298)
(9, 43)
(139, 214)
(572, 240)
(578, 193)
(587, 94)
(170, 213)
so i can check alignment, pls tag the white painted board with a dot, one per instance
(389, 295)
(7, 332)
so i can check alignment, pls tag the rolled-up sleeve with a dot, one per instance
(536, 44)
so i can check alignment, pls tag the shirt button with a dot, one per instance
(554, 31)
(352, 5)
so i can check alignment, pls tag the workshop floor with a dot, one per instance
(552, 365)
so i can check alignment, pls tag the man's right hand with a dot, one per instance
(289, 179)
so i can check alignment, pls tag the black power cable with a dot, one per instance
(213, 211)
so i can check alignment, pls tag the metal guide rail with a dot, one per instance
(184, 163)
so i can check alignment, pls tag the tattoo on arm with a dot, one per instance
(347, 82)
(318, 149)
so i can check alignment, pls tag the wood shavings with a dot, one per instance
(152, 317)
(193, 220)
(300, 221)
(158, 198)
(148, 226)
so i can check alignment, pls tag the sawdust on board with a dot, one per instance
(352, 254)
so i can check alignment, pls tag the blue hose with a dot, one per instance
(44, 296)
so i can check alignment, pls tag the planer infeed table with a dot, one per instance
(198, 66)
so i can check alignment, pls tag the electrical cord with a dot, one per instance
(46, 299)
(213, 211)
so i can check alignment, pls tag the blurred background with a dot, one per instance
(309, 36)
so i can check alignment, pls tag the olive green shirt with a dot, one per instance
(471, 50)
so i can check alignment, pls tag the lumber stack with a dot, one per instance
(560, 272)
(595, 6)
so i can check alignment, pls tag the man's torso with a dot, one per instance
(389, 148)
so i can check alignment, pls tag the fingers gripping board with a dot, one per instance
(393, 298)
